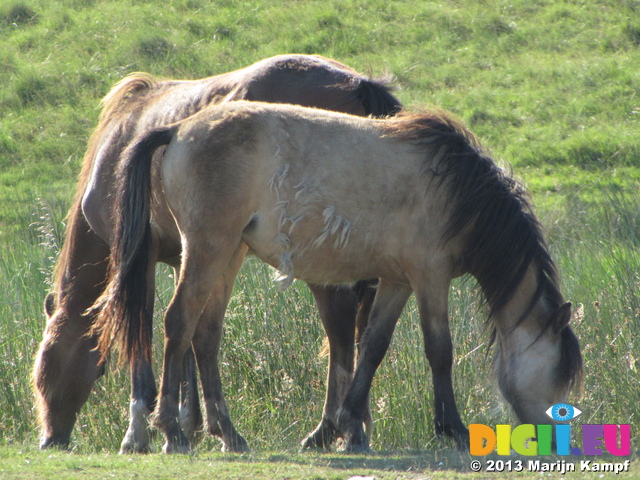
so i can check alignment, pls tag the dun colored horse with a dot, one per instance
(333, 199)
(67, 366)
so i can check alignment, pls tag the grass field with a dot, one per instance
(550, 88)
(29, 464)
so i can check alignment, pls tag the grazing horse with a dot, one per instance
(66, 365)
(333, 199)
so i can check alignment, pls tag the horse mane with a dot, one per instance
(113, 105)
(131, 86)
(491, 207)
(494, 210)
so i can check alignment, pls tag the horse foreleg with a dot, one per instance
(432, 304)
(388, 304)
(206, 345)
(337, 307)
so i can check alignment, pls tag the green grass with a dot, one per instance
(549, 87)
(27, 463)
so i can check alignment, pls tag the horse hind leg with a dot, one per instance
(366, 291)
(143, 402)
(389, 301)
(141, 405)
(191, 420)
(337, 307)
(190, 414)
(439, 351)
(143, 384)
(206, 345)
(201, 267)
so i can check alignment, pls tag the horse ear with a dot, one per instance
(50, 304)
(562, 317)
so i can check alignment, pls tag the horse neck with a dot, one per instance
(519, 318)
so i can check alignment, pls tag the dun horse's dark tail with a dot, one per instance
(124, 319)
(376, 98)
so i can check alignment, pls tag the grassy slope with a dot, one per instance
(549, 87)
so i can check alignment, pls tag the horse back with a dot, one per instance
(140, 103)
(301, 186)
(314, 81)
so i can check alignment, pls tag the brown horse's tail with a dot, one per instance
(124, 318)
(376, 98)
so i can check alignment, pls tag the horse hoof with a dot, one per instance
(131, 445)
(178, 448)
(314, 444)
(321, 438)
(54, 442)
(237, 445)
(133, 448)
(357, 448)
(459, 435)
(462, 441)
(357, 442)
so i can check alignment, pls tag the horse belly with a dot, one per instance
(331, 268)
(321, 266)
(320, 247)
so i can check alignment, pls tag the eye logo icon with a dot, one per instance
(563, 412)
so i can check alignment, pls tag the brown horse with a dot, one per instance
(332, 199)
(67, 366)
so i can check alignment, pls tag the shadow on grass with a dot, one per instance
(442, 460)
(406, 461)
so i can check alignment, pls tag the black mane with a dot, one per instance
(493, 209)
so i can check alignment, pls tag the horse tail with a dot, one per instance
(123, 316)
(376, 97)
